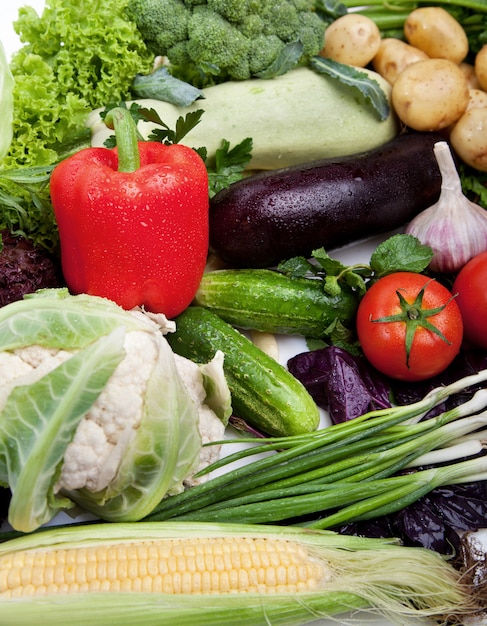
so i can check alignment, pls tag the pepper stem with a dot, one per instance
(121, 121)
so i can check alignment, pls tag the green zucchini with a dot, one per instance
(265, 300)
(264, 393)
(294, 118)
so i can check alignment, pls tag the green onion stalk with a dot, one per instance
(390, 16)
(365, 468)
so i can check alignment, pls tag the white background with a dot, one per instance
(10, 12)
(360, 252)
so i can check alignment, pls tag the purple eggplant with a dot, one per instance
(272, 216)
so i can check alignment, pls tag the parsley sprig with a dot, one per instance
(228, 164)
(224, 168)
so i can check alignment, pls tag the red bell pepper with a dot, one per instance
(133, 220)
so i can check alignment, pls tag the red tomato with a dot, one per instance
(409, 326)
(471, 287)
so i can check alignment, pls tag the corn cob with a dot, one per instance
(176, 573)
(195, 565)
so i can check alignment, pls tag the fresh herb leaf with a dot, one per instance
(313, 344)
(161, 85)
(228, 164)
(285, 61)
(164, 134)
(28, 176)
(184, 124)
(225, 168)
(329, 265)
(296, 267)
(474, 184)
(203, 152)
(366, 88)
(143, 114)
(400, 253)
(330, 10)
(331, 271)
(340, 335)
(356, 278)
(26, 206)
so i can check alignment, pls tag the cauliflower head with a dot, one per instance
(96, 409)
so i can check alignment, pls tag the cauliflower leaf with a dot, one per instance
(95, 411)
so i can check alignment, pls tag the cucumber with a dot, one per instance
(265, 300)
(264, 393)
(294, 118)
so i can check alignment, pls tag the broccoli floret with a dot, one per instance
(281, 19)
(179, 54)
(251, 26)
(212, 39)
(162, 23)
(302, 6)
(232, 10)
(238, 38)
(310, 33)
(265, 50)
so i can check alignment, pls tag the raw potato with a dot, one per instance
(469, 138)
(430, 95)
(478, 99)
(352, 39)
(469, 71)
(393, 56)
(481, 67)
(436, 32)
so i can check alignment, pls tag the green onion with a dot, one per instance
(346, 472)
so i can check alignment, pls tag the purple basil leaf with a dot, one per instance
(463, 507)
(419, 525)
(379, 528)
(465, 364)
(24, 269)
(339, 382)
(308, 368)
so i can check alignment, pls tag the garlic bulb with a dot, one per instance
(454, 227)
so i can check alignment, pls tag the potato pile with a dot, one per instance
(433, 87)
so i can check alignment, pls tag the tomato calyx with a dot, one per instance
(414, 316)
